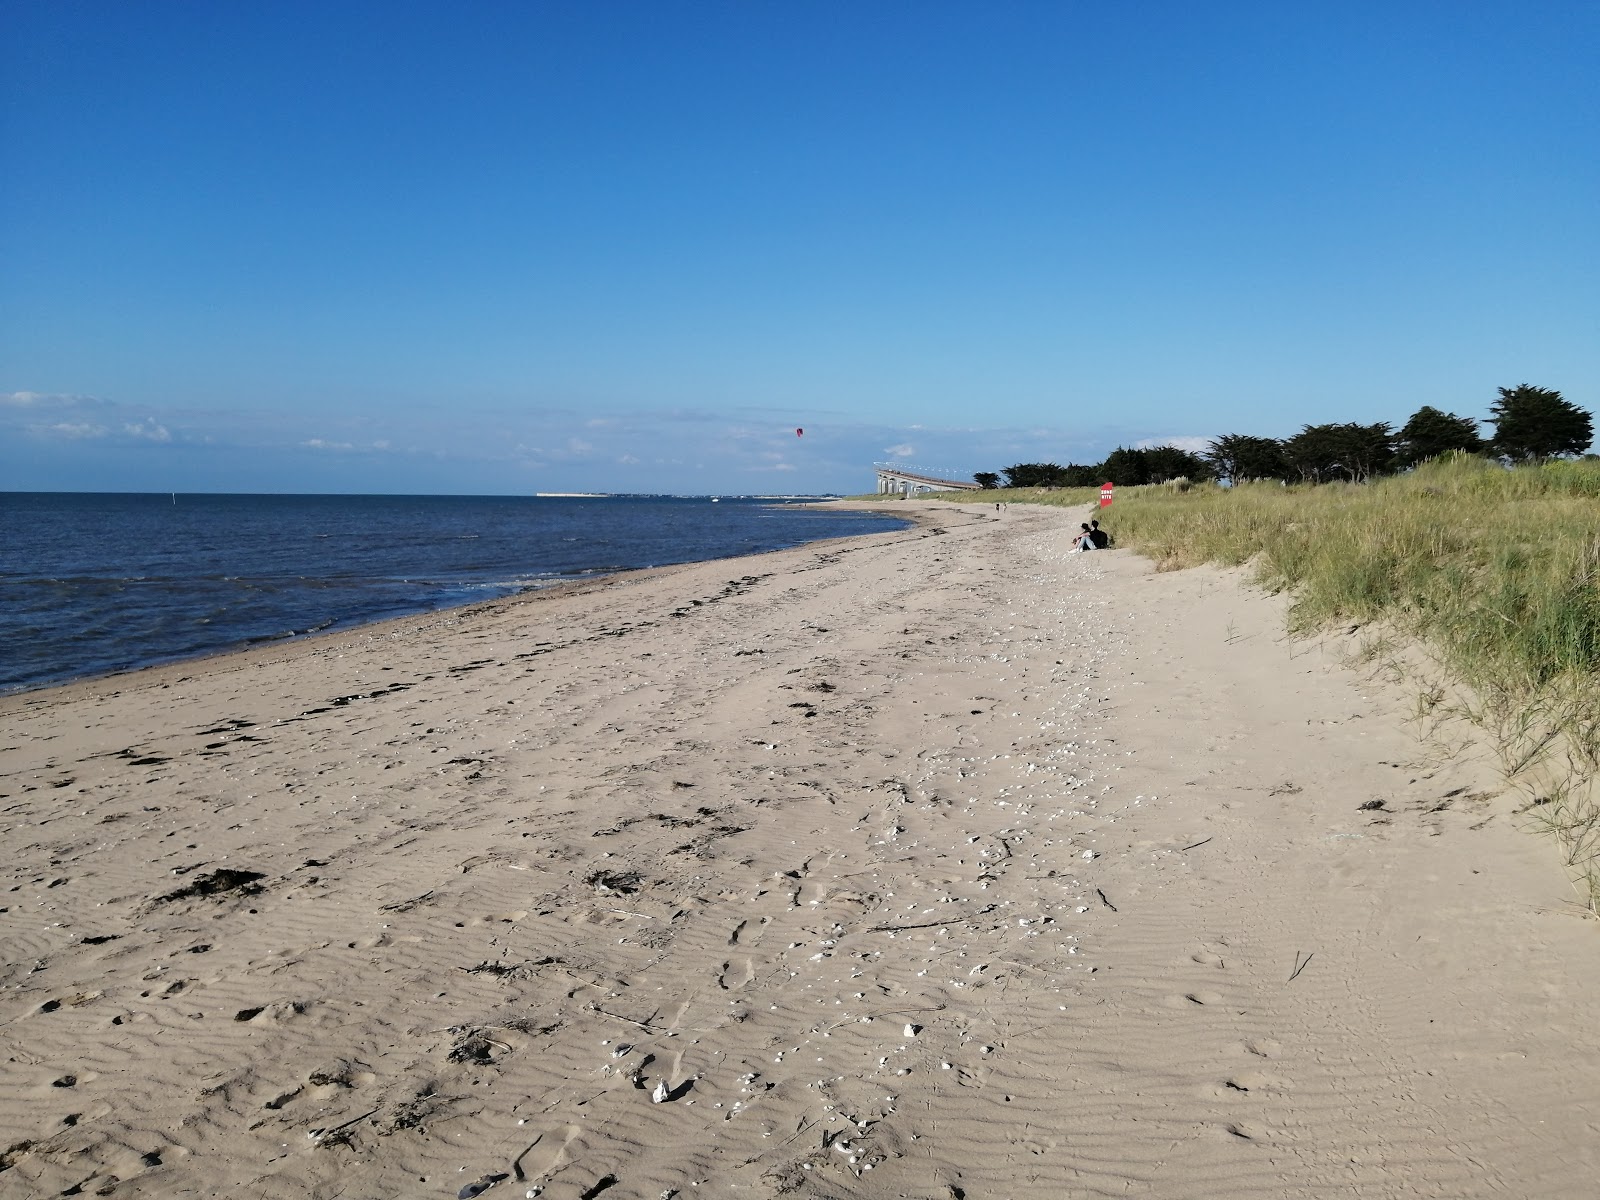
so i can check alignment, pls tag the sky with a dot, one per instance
(502, 248)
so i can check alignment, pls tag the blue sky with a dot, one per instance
(516, 247)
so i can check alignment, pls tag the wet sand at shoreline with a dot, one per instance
(937, 863)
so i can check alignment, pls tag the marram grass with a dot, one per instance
(1496, 570)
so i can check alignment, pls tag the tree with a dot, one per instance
(1535, 422)
(987, 480)
(1127, 467)
(1430, 433)
(1313, 453)
(1238, 457)
(1033, 475)
(1169, 462)
(1155, 464)
(1366, 450)
(1320, 453)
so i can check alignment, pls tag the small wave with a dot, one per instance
(493, 585)
(113, 598)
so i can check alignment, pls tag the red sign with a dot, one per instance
(1105, 494)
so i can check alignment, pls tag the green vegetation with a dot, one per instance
(1495, 570)
(1531, 424)
(1156, 464)
(1535, 422)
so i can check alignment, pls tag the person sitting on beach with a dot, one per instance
(1084, 540)
(1098, 536)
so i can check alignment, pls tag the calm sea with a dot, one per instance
(93, 583)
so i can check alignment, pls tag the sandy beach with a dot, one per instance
(941, 863)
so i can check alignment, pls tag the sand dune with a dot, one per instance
(942, 863)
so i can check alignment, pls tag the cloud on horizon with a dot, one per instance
(46, 440)
(148, 429)
(47, 400)
(78, 429)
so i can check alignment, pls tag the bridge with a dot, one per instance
(898, 478)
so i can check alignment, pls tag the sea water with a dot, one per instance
(92, 583)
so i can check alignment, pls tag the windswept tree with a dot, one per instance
(1368, 450)
(1126, 467)
(1169, 462)
(1130, 466)
(1023, 475)
(1312, 454)
(987, 480)
(1430, 433)
(1535, 422)
(1083, 475)
(1321, 453)
(1239, 457)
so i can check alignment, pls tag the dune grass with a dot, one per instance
(1496, 572)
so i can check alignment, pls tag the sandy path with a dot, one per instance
(931, 864)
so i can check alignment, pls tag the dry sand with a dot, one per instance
(933, 864)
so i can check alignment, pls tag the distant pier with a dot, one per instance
(902, 480)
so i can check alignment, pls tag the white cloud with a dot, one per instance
(63, 415)
(1194, 445)
(149, 430)
(49, 400)
(627, 460)
(75, 429)
(381, 446)
(904, 450)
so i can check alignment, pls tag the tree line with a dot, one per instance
(1530, 424)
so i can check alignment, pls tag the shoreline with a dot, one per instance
(933, 862)
(268, 643)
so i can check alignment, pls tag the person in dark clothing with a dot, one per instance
(1098, 536)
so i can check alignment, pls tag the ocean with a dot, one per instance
(93, 583)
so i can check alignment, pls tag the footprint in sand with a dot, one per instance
(502, 918)
(736, 974)
(1241, 1085)
(1196, 999)
(547, 1153)
(283, 1098)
